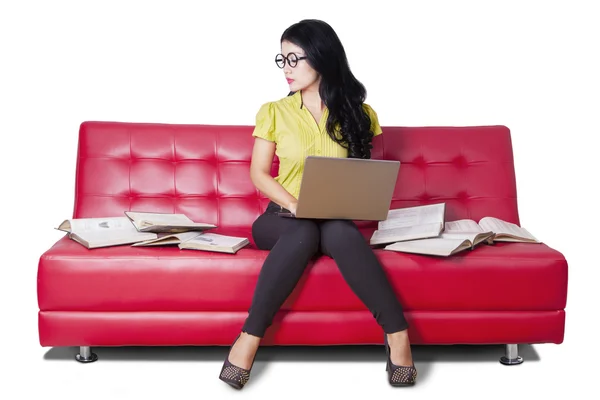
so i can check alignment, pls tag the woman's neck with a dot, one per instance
(311, 97)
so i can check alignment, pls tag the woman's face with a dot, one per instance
(302, 75)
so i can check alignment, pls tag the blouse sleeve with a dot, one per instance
(375, 127)
(265, 123)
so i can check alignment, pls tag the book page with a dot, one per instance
(500, 227)
(433, 246)
(101, 225)
(116, 235)
(214, 239)
(405, 233)
(106, 238)
(183, 237)
(146, 219)
(462, 225)
(474, 237)
(169, 238)
(411, 216)
(470, 236)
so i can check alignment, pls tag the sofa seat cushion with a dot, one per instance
(503, 276)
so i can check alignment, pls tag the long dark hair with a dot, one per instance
(341, 92)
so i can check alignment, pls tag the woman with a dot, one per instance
(324, 115)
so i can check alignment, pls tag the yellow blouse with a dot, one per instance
(293, 128)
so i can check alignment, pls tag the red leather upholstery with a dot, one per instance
(505, 293)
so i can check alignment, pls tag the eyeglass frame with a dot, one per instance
(286, 59)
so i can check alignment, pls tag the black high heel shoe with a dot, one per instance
(233, 375)
(398, 375)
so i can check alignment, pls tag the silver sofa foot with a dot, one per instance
(85, 355)
(512, 355)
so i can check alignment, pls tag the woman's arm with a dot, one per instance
(263, 153)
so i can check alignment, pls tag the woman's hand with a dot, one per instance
(293, 206)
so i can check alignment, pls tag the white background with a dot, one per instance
(532, 66)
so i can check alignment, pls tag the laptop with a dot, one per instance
(346, 188)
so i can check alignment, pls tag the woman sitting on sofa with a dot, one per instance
(324, 115)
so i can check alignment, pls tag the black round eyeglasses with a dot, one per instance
(292, 59)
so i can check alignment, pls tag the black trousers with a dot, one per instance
(292, 243)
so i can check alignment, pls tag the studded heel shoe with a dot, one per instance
(398, 375)
(233, 375)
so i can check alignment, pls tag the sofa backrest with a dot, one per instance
(203, 171)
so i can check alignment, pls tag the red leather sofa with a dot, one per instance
(506, 293)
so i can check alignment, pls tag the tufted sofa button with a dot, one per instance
(460, 161)
(462, 196)
(420, 162)
(424, 197)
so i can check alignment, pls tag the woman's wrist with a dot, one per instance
(291, 203)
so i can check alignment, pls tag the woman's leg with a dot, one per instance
(292, 242)
(342, 241)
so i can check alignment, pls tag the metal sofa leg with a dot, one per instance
(512, 355)
(85, 355)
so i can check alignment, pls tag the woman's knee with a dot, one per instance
(339, 231)
(263, 232)
(305, 231)
(301, 235)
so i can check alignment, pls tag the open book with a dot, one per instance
(103, 232)
(503, 231)
(465, 234)
(410, 223)
(448, 243)
(215, 242)
(165, 222)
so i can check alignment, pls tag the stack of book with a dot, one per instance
(423, 230)
(142, 229)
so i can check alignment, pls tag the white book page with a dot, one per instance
(104, 226)
(499, 226)
(412, 216)
(159, 219)
(432, 246)
(460, 235)
(462, 225)
(214, 239)
(405, 233)
(116, 237)
(167, 237)
(184, 236)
